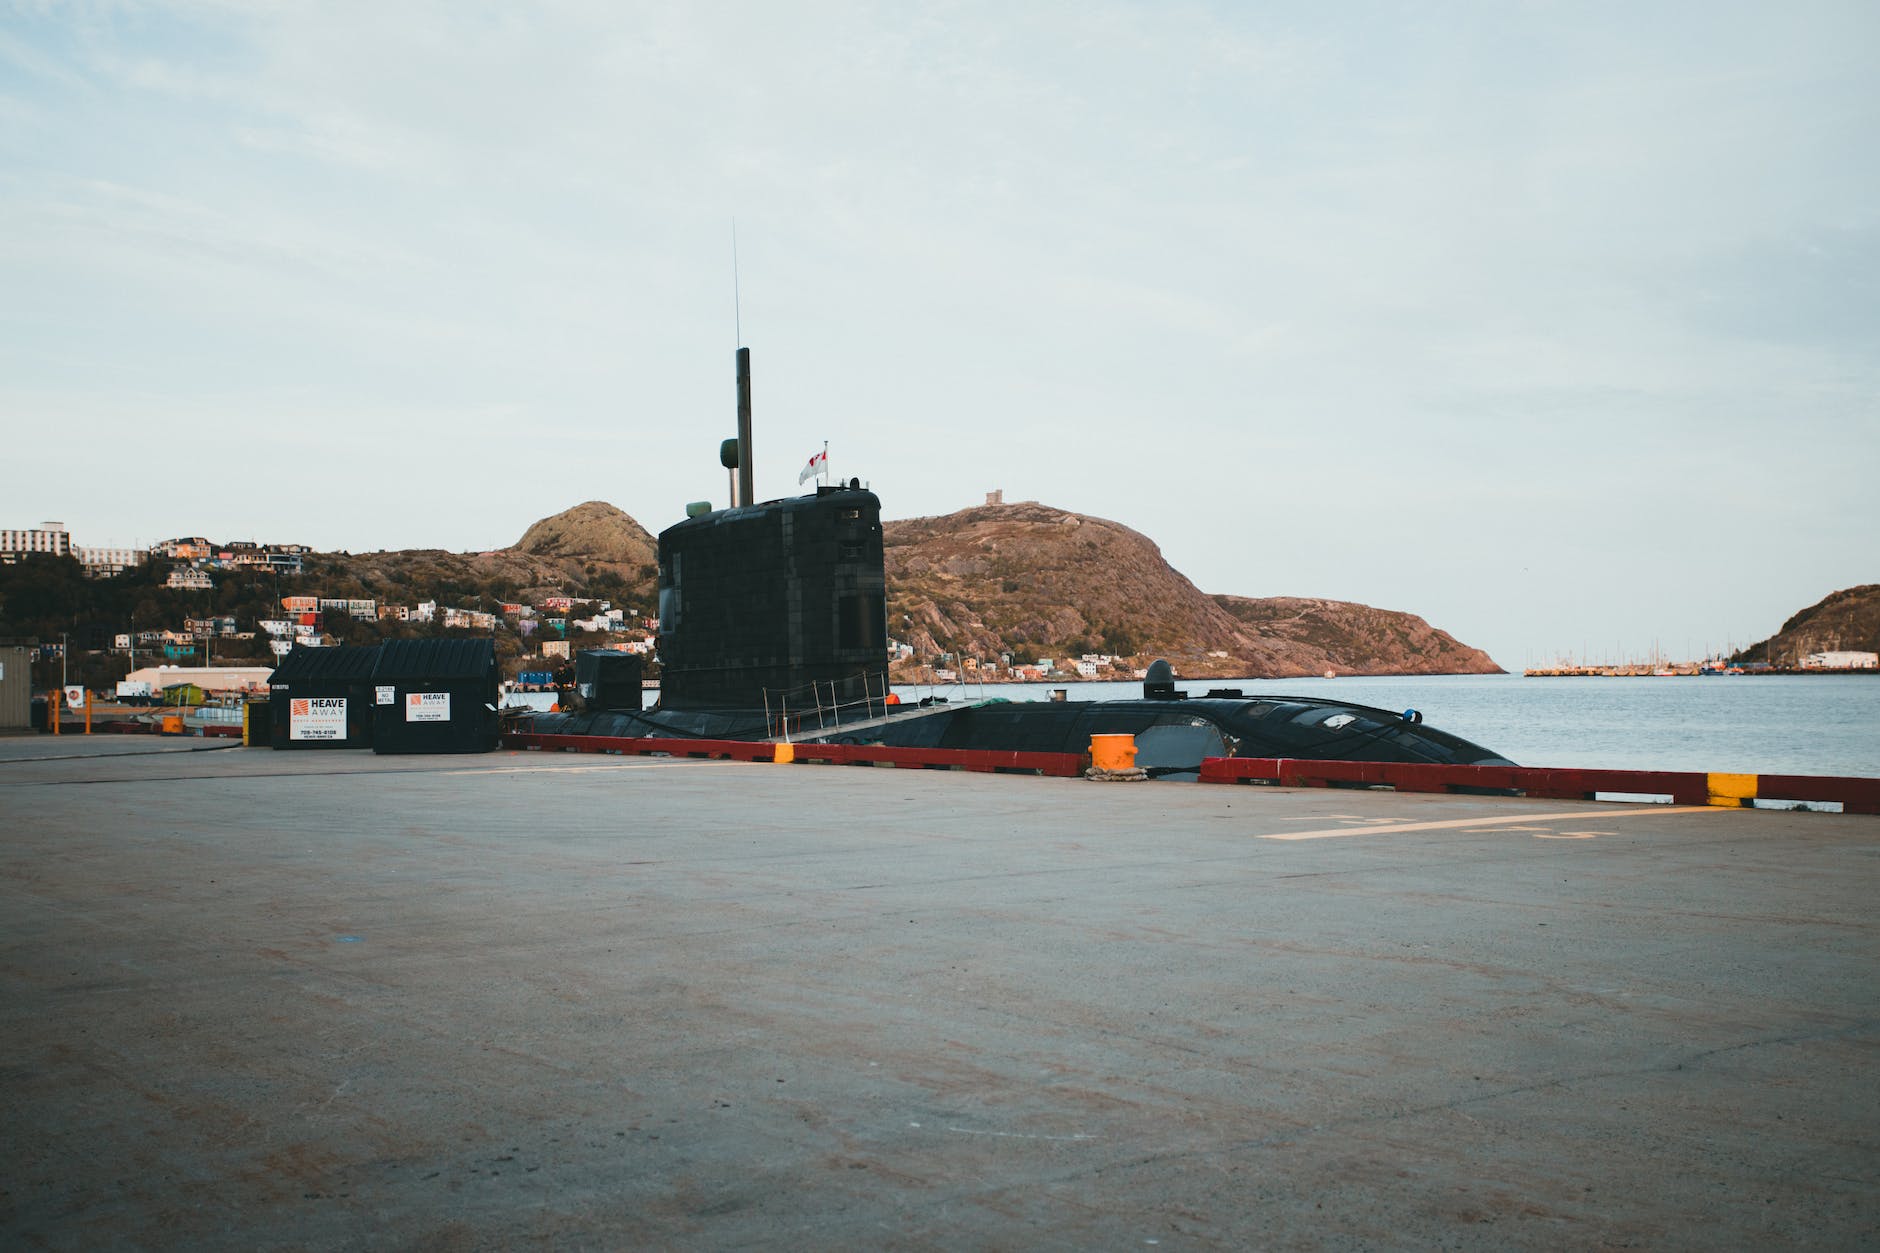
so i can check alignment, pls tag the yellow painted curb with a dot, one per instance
(1732, 789)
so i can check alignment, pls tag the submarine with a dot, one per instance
(773, 626)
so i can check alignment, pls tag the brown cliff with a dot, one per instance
(1035, 581)
(1843, 621)
(1025, 579)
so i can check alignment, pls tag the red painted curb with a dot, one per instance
(1855, 796)
(1060, 765)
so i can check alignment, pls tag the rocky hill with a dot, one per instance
(1843, 621)
(1033, 580)
(1350, 638)
(594, 532)
(1025, 579)
(593, 549)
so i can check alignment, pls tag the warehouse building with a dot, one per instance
(213, 680)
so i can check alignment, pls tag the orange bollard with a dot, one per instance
(1113, 752)
(87, 711)
(53, 701)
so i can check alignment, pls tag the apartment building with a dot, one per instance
(48, 539)
(104, 563)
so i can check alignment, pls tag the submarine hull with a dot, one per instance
(1173, 736)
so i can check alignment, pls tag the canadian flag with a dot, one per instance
(817, 465)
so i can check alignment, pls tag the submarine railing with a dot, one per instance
(778, 719)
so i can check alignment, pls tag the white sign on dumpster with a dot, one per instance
(427, 706)
(316, 718)
(388, 695)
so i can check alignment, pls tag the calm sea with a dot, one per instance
(1788, 724)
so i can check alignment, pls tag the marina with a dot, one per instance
(1118, 715)
(969, 1010)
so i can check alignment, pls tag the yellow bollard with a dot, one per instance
(1113, 752)
(1733, 790)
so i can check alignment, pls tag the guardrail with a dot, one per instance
(983, 761)
(1855, 796)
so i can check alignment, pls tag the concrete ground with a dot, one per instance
(41, 747)
(259, 999)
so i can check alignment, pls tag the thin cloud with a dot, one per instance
(1370, 302)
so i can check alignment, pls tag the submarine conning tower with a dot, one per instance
(773, 603)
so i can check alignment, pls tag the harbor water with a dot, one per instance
(1775, 724)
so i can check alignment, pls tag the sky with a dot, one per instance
(1555, 324)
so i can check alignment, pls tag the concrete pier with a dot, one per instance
(328, 1000)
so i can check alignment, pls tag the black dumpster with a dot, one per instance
(607, 679)
(435, 696)
(322, 698)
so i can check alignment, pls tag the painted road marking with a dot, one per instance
(1455, 824)
(1347, 818)
(640, 764)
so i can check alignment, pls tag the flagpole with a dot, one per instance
(825, 464)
